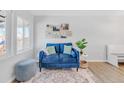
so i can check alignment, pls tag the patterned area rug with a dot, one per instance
(63, 76)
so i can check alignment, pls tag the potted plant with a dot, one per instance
(81, 45)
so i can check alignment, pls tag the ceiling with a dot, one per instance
(75, 12)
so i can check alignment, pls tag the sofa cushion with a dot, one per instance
(68, 60)
(64, 55)
(65, 58)
(53, 58)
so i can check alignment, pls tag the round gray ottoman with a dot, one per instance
(25, 70)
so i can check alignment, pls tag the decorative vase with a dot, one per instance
(83, 62)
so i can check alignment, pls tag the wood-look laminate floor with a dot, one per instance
(106, 73)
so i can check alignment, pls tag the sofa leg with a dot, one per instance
(77, 69)
(40, 69)
(40, 66)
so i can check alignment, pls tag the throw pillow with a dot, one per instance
(67, 49)
(45, 50)
(51, 50)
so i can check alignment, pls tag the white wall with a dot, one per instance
(98, 29)
(7, 64)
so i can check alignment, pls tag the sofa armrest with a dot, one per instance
(76, 53)
(42, 55)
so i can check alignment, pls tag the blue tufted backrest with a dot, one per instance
(59, 47)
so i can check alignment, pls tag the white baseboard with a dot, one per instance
(97, 61)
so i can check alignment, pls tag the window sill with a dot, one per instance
(23, 51)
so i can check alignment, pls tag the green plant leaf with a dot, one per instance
(81, 44)
(83, 40)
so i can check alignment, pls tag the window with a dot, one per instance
(19, 34)
(23, 35)
(2, 35)
(26, 35)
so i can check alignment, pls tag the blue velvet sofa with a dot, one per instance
(59, 60)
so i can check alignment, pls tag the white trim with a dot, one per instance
(97, 60)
